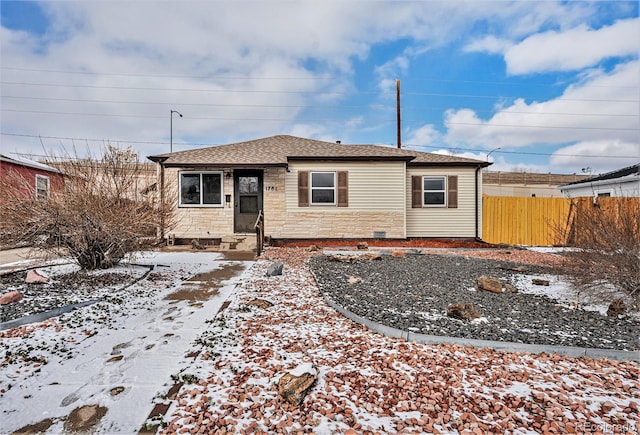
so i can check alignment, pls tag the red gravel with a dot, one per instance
(372, 384)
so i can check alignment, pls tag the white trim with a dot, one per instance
(334, 188)
(200, 204)
(444, 191)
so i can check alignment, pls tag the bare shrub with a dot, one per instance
(606, 233)
(98, 218)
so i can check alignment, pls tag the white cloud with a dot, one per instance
(590, 154)
(489, 44)
(425, 135)
(573, 49)
(602, 107)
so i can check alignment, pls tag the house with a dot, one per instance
(24, 177)
(310, 189)
(525, 184)
(622, 182)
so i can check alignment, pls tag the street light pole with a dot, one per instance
(495, 149)
(171, 128)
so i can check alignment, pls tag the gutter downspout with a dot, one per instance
(477, 205)
(162, 199)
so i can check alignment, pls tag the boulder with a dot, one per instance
(489, 283)
(293, 386)
(10, 298)
(275, 269)
(462, 311)
(616, 308)
(33, 277)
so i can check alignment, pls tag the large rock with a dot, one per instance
(293, 386)
(462, 311)
(10, 298)
(489, 283)
(275, 269)
(33, 277)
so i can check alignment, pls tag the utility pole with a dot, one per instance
(398, 113)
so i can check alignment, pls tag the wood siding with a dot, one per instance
(534, 221)
(443, 221)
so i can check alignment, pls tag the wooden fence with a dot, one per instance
(535, 221)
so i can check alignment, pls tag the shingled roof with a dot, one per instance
(280, 150)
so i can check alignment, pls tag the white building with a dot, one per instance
(623, 182)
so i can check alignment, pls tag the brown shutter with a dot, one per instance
(452, 191)
(303, 188)
(343, 189)
(416, 191)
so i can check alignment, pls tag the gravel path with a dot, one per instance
(413, 293)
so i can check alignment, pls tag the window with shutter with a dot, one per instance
(303, 188)
(343, 189)
(452, 191)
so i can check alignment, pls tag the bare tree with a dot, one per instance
(99, 217)
(606, 233)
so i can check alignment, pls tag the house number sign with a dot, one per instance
(271, 188)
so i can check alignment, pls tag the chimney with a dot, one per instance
(338, 141)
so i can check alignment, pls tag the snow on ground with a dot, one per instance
(118, 354)
(126, 356)
(372, 384)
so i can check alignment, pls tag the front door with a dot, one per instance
(248, 199)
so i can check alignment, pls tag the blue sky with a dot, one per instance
(543, 86)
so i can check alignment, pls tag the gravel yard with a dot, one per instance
(412, 294)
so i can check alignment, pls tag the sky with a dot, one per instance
(537, 86)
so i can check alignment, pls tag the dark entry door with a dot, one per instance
(248, 200)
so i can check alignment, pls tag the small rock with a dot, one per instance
(115, 391)
(362, 245)
(196, 245)
(399, 254)
(489, 283)
(260, 303)
(537, 281)
(33, 277)
(462, 311)
(354, 279)
(616, 308)
(10, 298)
(293, 386)
(313, 248)
(275, 269)
(510, 288)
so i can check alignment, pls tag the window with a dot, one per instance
(201, 189)
(42, 187)
(323, 188)
(604, 194)
(433, 191)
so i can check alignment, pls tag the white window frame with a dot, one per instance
(48, 190)
(201, 173)
(444, 190)
(334, 188)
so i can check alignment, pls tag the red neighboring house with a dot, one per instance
(39, 178)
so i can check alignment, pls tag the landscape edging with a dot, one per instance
(570, 351)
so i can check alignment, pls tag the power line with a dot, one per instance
(379, 120)
(475, 150)
(257, 91)
(299, 106)
(318, 77)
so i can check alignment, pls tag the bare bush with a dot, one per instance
(98, 218)
(606, 233)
